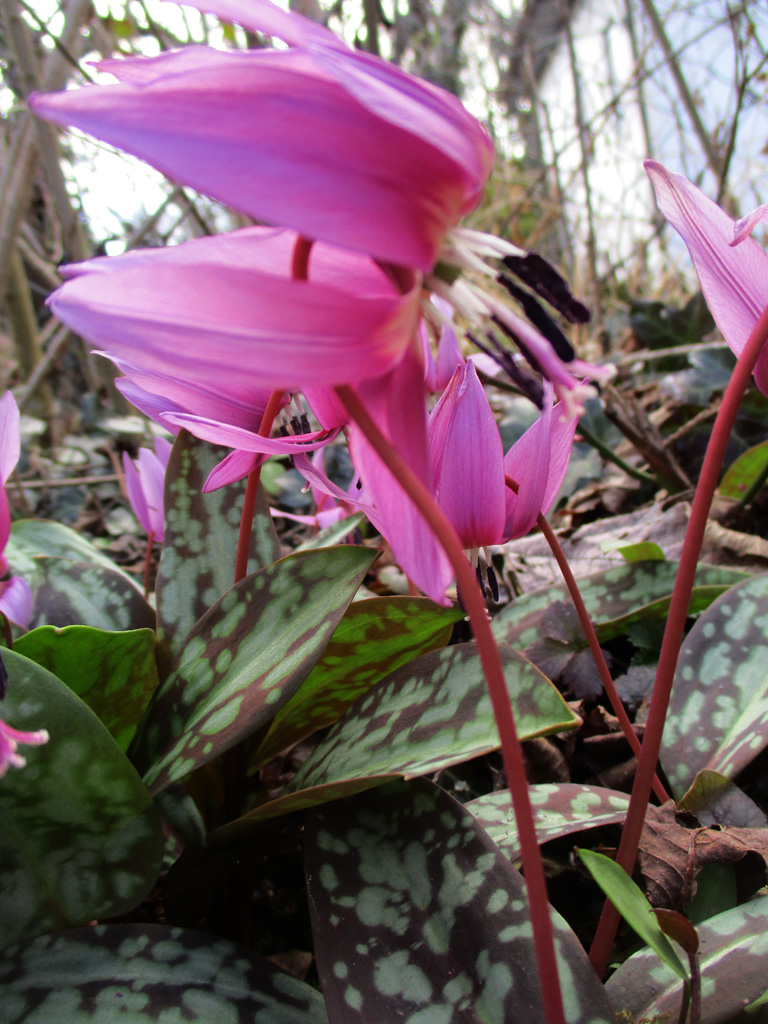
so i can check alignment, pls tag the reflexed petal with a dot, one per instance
(467, 460)
(744, 227)
(234, 467)
(248, 441)
(330, 141)
(9, 741)
(734, 279)
(175, 312)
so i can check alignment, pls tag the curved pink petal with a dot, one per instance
(467, 460)
(746, 225)
(176, 312)
(16, 600)
(10, 438)
(247, 440)
(332, 142)
(734, 279)
(9, 741)
(234, 467)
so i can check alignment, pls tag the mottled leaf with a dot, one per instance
(419, 918)
(625, 592)
(733, 957)
(32, 538)
(148, 974)
(558, 810)
(426, 716)
(114, 673)
(633, 906)
(374, 638)
(77, 594)
(245, 659)
(742, 473)
(718, 713)
(80, 838)
(716, 800)
(333, 534)
(201, 530)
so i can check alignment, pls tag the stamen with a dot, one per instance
(540, 319)
(529, 385)
(541, 277)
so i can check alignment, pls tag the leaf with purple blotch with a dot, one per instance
(428, 715)
(374, 638)
(718, 713)
(559, 809)
(733, 958)
(69, 593)
(418, 917)
(144, 974)
(80, 836)
(245, 659)
(201, 531)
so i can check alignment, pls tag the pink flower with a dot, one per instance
(144, 481)
(330, 141)
(15, 595)
(9, 741)
(733, 277)
(328, 508)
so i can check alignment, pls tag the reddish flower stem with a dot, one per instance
(594, 644)
(673, 634)
(252, 489)
(512, 754)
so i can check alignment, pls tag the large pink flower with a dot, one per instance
(330, 141)
(733, 277)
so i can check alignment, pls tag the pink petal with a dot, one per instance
(332, 142)
(16, 600)
(234, 467)
(175, 312)
(746, 225)
(467, 460)
(9, 740)
(734, 279)
(247, 440)
(136, 493)
(10, 438)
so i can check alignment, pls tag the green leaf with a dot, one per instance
(742, 473)
(718, 713)
(32, 538)
(114, 673)
(69, 593)
(374, 638)
(615, 594)
(558, 810)
(733, 958)
(333, 534)
(245, 659)
(148, 974)
(633, 906)
(80, 838)
(428, 715)
(197, 564)
(645, 551)
(418, 917)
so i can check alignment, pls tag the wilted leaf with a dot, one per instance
(716, 800)
(374, 638)
(558, 810)
(147, 974)
(718, 713)
(426, 716)
(733, 956)
(80, 838)
(114, 673)
(246, 658)
(417, 916)
(673, 849)
(561, 652)
(201, 531)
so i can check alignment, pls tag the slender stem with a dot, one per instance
(594, 644)
(673, 634)
(512, 754)
(148, 562)
(252, 490)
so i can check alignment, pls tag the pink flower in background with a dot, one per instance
(144, 481)
(330, 141)
(732, 268)
(15, 595)
(329, 509)
(9, 741)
